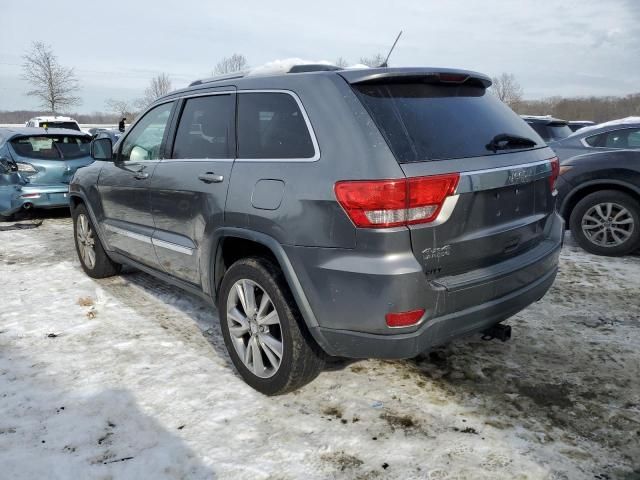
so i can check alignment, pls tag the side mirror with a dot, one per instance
(102, 149)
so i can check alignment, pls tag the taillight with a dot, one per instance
(555, 171)
(393, 203)
(403, 319)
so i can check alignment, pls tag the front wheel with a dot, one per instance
(607, 223)
(262, 329)
(93, 258)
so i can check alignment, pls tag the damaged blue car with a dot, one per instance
(36, 166)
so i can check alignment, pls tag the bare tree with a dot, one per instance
(374, 60)
(122, 108)
(341, 62)
(235, 63)
(507, 89)
(53, 84)
(160, 85)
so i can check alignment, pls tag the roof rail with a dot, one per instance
(300, 68)
(217, 78)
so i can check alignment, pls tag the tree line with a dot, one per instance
(56, 88)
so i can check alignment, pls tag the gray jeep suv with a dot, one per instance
(353, 213)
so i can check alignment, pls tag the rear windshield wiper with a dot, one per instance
(504, 141)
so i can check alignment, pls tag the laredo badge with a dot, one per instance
(436, 252)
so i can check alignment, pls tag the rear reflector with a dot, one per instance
(404, 319)
(555, 172)
(394, 203)
(30, 195)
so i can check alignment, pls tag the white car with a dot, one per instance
(53, 122)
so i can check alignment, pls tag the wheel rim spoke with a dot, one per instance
(274, 345)
(258, 364)
(265, 301)
(623, 212)
(270, 319)
(273, 359)
(249, 298)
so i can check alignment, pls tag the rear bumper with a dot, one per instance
(350, 295)
(441, 330)
(37, 196)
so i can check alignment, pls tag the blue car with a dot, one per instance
(36, 166)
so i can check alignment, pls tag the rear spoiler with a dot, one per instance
(422, 75)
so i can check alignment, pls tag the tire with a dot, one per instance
(6, 218)
(94, 260)
(300, 360)
(607, 223)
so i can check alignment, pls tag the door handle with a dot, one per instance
(141, 176)
(210, 177)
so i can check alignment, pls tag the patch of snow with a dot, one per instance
(277, 67)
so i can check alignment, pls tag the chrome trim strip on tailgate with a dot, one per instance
(478, 180)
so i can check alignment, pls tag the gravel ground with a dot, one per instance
(129, 378)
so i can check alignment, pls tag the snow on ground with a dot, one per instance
(128, 378)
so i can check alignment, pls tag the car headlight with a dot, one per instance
(26, 168)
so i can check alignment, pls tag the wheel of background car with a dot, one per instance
(607, 223)
(266, 339)
(94, 260)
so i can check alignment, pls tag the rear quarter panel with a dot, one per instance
(351, 147)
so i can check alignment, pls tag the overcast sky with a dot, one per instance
(568, 47)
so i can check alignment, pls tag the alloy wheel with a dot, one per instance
(254, 328)
(608, 224)
(86, 241)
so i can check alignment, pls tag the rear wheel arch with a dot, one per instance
(234, 243)
(588, 188)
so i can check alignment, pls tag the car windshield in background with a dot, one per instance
(422, 122)
(54, 147)
(69, 125)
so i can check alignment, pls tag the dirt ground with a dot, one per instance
(129, 378)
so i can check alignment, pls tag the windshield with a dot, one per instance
(423, 122)
(52, 147)
(69, 125)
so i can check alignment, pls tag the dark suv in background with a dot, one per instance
(550, 129)
(354, 213)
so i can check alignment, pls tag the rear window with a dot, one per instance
(56, 147)
(69, 125)
(271, 125)
(422, 122)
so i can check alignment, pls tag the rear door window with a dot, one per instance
(271, 126)
(423, 122)
(54, 147)
(206, 128)
(623, 138)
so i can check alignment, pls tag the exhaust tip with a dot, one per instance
(27, 205)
